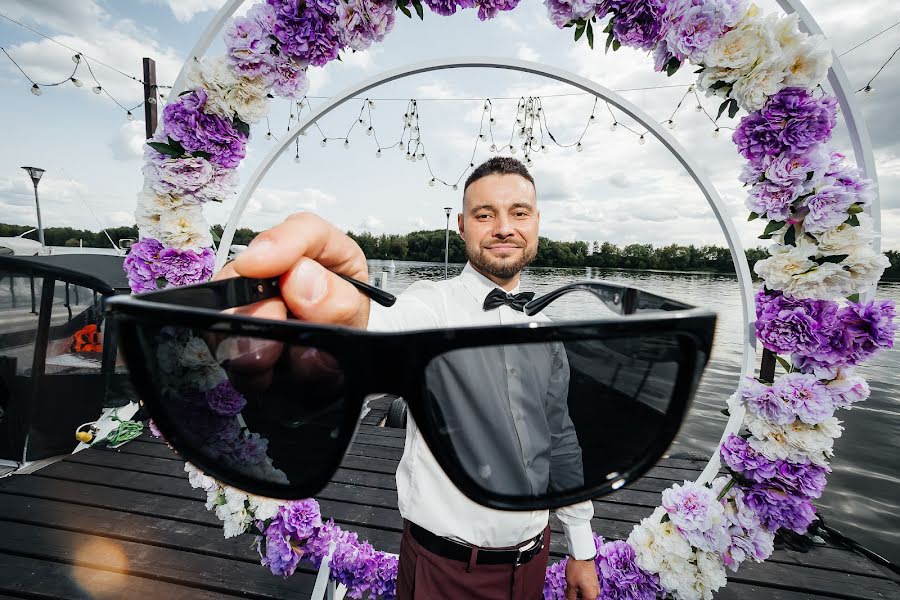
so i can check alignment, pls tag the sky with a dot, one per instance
(614, 190)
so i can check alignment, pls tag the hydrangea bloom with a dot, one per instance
(620, 577)
(141, 265)
(564, 11)
(185, 122)
(639, 23)
(225, 400)
(310, 36)
(362, 22)
(448, 7)
(280, 555)
(186, 267)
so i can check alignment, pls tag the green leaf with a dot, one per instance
(185, 93)
(853, 297)
(201, 154)
(725, 412)
(215, 236)
(161, 282)
(753, 216)
(609, 26)
(590, 35)
(764, 236)
(401, 4)
(672, 66)
(579, 30)
(177, 145)
(569, 24)
(616, 45)
(834, 258)
(700, 70)
(855, 209)
(717, 85)
(417, 4)
(163, 148)
(772, 227)
(609, 41)
(853, 221)
(784, 364)
(722, 108)
(790, 236)
(243, 128)
(665, 518)
(733, 109)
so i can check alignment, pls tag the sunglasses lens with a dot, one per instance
(531, 420)
(261, 415)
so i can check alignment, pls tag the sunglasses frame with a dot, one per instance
(395, 362)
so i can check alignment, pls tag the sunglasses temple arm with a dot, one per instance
(626, 306)
(378, 295)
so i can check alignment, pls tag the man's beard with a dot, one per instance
(499, 268)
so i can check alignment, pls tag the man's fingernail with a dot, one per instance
(260, 246)
(311, 281)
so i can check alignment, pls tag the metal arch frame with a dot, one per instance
(861, 141)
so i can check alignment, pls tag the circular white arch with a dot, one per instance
(859, 135)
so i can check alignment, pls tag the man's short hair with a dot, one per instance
(498, 165)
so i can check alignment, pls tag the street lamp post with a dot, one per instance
(35, 174)
(448, 210)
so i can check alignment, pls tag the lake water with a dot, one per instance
(862, 499)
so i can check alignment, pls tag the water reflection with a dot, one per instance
(863, 494)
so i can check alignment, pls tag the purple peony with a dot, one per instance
(310, 36)
(225, 400)
(765, 403)
(300, 519)
(779, 508)
(773, 201)
(807, 398)
(792, 122)
(141, 265)
(488, 9)
(564, 11)
(185, 267)
(248, 42)
(185, 122)
(869, 328)
(280, 556)
(747, 538)
(741, 458)
(362, 22)
(698, 515)
(621, 578)
(847, 390)
(448, 7)
(696, 24)
(804, 479)
(639, 23)
(826, 208)
(786, 325)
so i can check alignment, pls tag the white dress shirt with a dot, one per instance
(426, 495)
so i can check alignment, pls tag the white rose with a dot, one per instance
(711, 574)
(735, 54)
(263, 509)
(753, 90)
(149, 210)
(185, 228)
(827, 281)
(248, 99)
(200, 480)
(845, 238)
(809, 62)
(783, 263)
(865, 266)
(214, 75)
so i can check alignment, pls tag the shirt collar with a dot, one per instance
(479, 285)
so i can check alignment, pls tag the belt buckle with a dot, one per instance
(519, 554)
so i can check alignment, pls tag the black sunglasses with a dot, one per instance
(520, 417)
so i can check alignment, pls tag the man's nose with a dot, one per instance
(503, 228)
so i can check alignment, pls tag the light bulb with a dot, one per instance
(346, 144)
(97, 89)
(614, 126)
(76, 82)
(268, 135)
(408, 156)
(521, 133)
(544, 149)
(455, 187)
(493, 147)
(129, 116)
(378, 153)
(151, 100)
(431, 183)
(699, 108)
(162, 96)
(405, 117)
(413, 158)
(36, 90)
(369, 130)
(482, 137)
(512, 150)
(528, 162)
(323, 143)
(297, 159)
(579, 147)
(868, 90)
(360, 121)
(493, 120)
(641, 140)
(76, 58)
(671, 124)
(593, 117)
(715, 132)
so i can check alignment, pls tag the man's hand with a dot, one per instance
(306, 251)
(581, 580)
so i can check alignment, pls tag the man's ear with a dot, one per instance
(460, 224)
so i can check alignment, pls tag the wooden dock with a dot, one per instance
(126, 524)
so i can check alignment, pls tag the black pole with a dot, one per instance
(150, 98)
(767, 366)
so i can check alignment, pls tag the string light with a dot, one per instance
(641, 140)
(36, 90)
(129, 116)
(97, 89)
(76, 82)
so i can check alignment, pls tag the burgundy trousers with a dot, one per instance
(423, 575)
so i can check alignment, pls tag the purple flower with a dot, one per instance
(311, 36)
(792, 122)
(289, 80)
(870, 327)
(248, 44)
(488, 9)
(448, 7)
(698, 515)
(300, 519)
(696, 24)
(807, 398)
(141, 265)
(185, 122)
(563, 11)
(639, 23)
(765, 402)
(790, 169)
(225, 400)
(745, 461)
(318, 544)
(773, 201)
(827, 208)
(620, 577)
(787, 325)
(778, 508)
(362, 22)
(280, 556)
(248, 450)
(555, 581)
(847, 390)
(185, 267)
(805, 479)
(747, 538)
(154, 430)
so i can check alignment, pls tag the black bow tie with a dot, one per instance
(515, 301)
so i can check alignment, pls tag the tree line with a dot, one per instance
(428, 246)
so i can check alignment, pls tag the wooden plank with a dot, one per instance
(36, 578)
(143, 560)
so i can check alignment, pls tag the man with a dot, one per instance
(445, 532)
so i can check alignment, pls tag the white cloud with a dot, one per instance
(128, 143)
(185, 10)
(371, 223)
(417, 223)
(526, 52)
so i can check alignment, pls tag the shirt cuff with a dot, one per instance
(580, 538)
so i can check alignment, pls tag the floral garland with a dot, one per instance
(808, 312)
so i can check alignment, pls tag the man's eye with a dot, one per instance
(481, 217)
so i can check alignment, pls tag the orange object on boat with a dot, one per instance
(88, 339)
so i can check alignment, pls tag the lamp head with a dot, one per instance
(448, 210)
(35, 173)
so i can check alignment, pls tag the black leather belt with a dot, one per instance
(448, 548)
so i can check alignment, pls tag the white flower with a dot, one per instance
(809, 57)
(827, 281)
(149, 210)
(184, 228)
(200, 480)
(658, 544)
(227, 94)
(783, 263)
(710, 574)
(865, 266)
(845, 238)
(753, 90)
(794, 442)
(262, 508)
(847, 388)
(735, 54)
